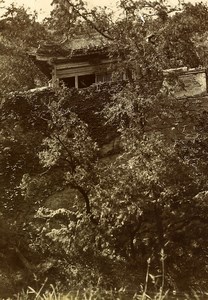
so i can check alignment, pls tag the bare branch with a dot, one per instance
(91, 23)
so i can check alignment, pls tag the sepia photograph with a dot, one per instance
(103, 150)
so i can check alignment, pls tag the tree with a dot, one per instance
(150, 198)
(146, 38)
(45, 149)
(19, 33)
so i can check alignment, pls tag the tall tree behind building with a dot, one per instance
(19, 33)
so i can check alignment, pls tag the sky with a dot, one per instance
(43, 7)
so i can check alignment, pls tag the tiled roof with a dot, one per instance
(78, 46)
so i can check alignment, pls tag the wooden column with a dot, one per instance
(55, 80)
(76, 82)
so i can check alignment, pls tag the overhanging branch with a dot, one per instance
(85, 17)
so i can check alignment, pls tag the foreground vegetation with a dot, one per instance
(97, 293)
(75, 214)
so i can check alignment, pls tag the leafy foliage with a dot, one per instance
(19, 32)
(150, 197)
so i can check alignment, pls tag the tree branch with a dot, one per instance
(92, 24)
(87, 202)
(72, 164)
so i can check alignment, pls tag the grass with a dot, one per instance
(97, 294)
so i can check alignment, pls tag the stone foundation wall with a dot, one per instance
(186, 83)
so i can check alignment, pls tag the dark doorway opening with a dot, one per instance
(69, 82)
(86, 80)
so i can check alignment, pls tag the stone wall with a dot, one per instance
(186, 83)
